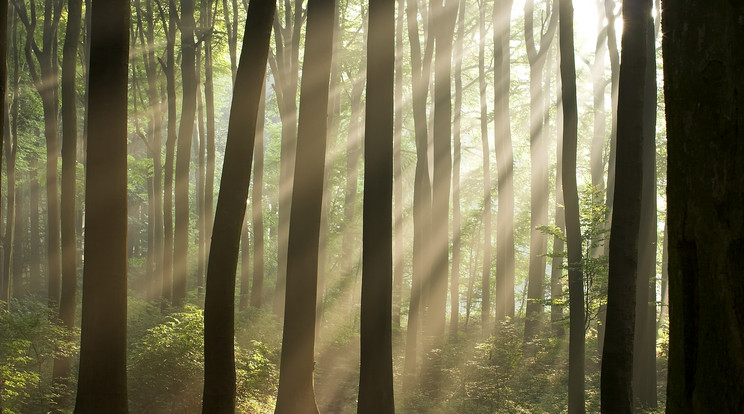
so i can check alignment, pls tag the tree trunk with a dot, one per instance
(296, 391)
(102, 383)
(504, 302)
(219, 312)
(257, 204)
(398, 243)
(703, 47)
(5, 277)
(487, 232)
(571, 198)
(617, 355)
(556, 271)
(185, 130)
(539, 183)
(245, 259)
(376, 370)
(63, 365)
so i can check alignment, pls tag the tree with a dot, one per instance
(102, 381)
(703, 45)
(185, 130)
(69, 164)
(539, 183)
(5, 279)
(296, 390)
(571, 198)
(486, 279)
(504, 302)
(376, 370)
(617, 355)
(219, 308)
(257, 218)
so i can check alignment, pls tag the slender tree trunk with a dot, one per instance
(257, 204)
(571, 198)
(617, 354)
(201, 148)
(245, 263)
(5, 277)
(644, 348)
(209, 103)
(376, 370)
(456, 214)
(398, 244)
(219, 362)
(486, 278)
(504, 302)
(296, 391)
(353, 153)
(102, 379)
(63, 365)
(539, 183)
(556, 271)
(35, 229)
(598, 101)
(170, 146)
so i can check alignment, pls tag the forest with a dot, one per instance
(330, 206)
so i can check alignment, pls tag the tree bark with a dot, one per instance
(102, 378)
(296, 390)
(219, 312)
(703, 47)
(617, 354)
(571, 198)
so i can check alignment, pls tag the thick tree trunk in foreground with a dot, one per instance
(571, 198)
(376, 370)
(296, 389)
(102, 381)
(219, 312)
(703, 48)
(617, 355)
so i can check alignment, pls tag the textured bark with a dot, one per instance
(183, 156)
(617, 354)
(703, 48)
(571, 198)
(398, 243)
(219, 312)
(296, 391)
(376, 369)
(102, 381)
(504, 302)
(63, 365)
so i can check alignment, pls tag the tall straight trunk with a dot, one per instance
(257, 204)
(102, 381)
(285, 68)
(230, 9)
(617, 354)
(376, 368)
(598, 101)
(5, 277)
(14, 253)
(420, 68)
(556, 271)
(296, 391)
(201, 148)
(209, 103)
(245, 263)
(185, 130)
(571, 198)
(456, 214)
(539, 182)
(353, 153)
(703, 46)
(444, 17)
(486, 278)
(63, 365)
(170, 145)
(504, 302)
(219, 308)
(35, 253)
(398, 258)
(614, 82)
(644, 348)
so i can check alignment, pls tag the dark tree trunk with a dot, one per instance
(571, 198)
(5, 277)
(185, 130)
(703, 47)
(539, 183)
(617, 354)
(219, 358)
(209, 103)
(68, 301)
(376, 370)
(102, 381)
(504, 302)
(644, 348)
(296, 390)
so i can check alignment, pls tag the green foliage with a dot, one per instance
(31, 337)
